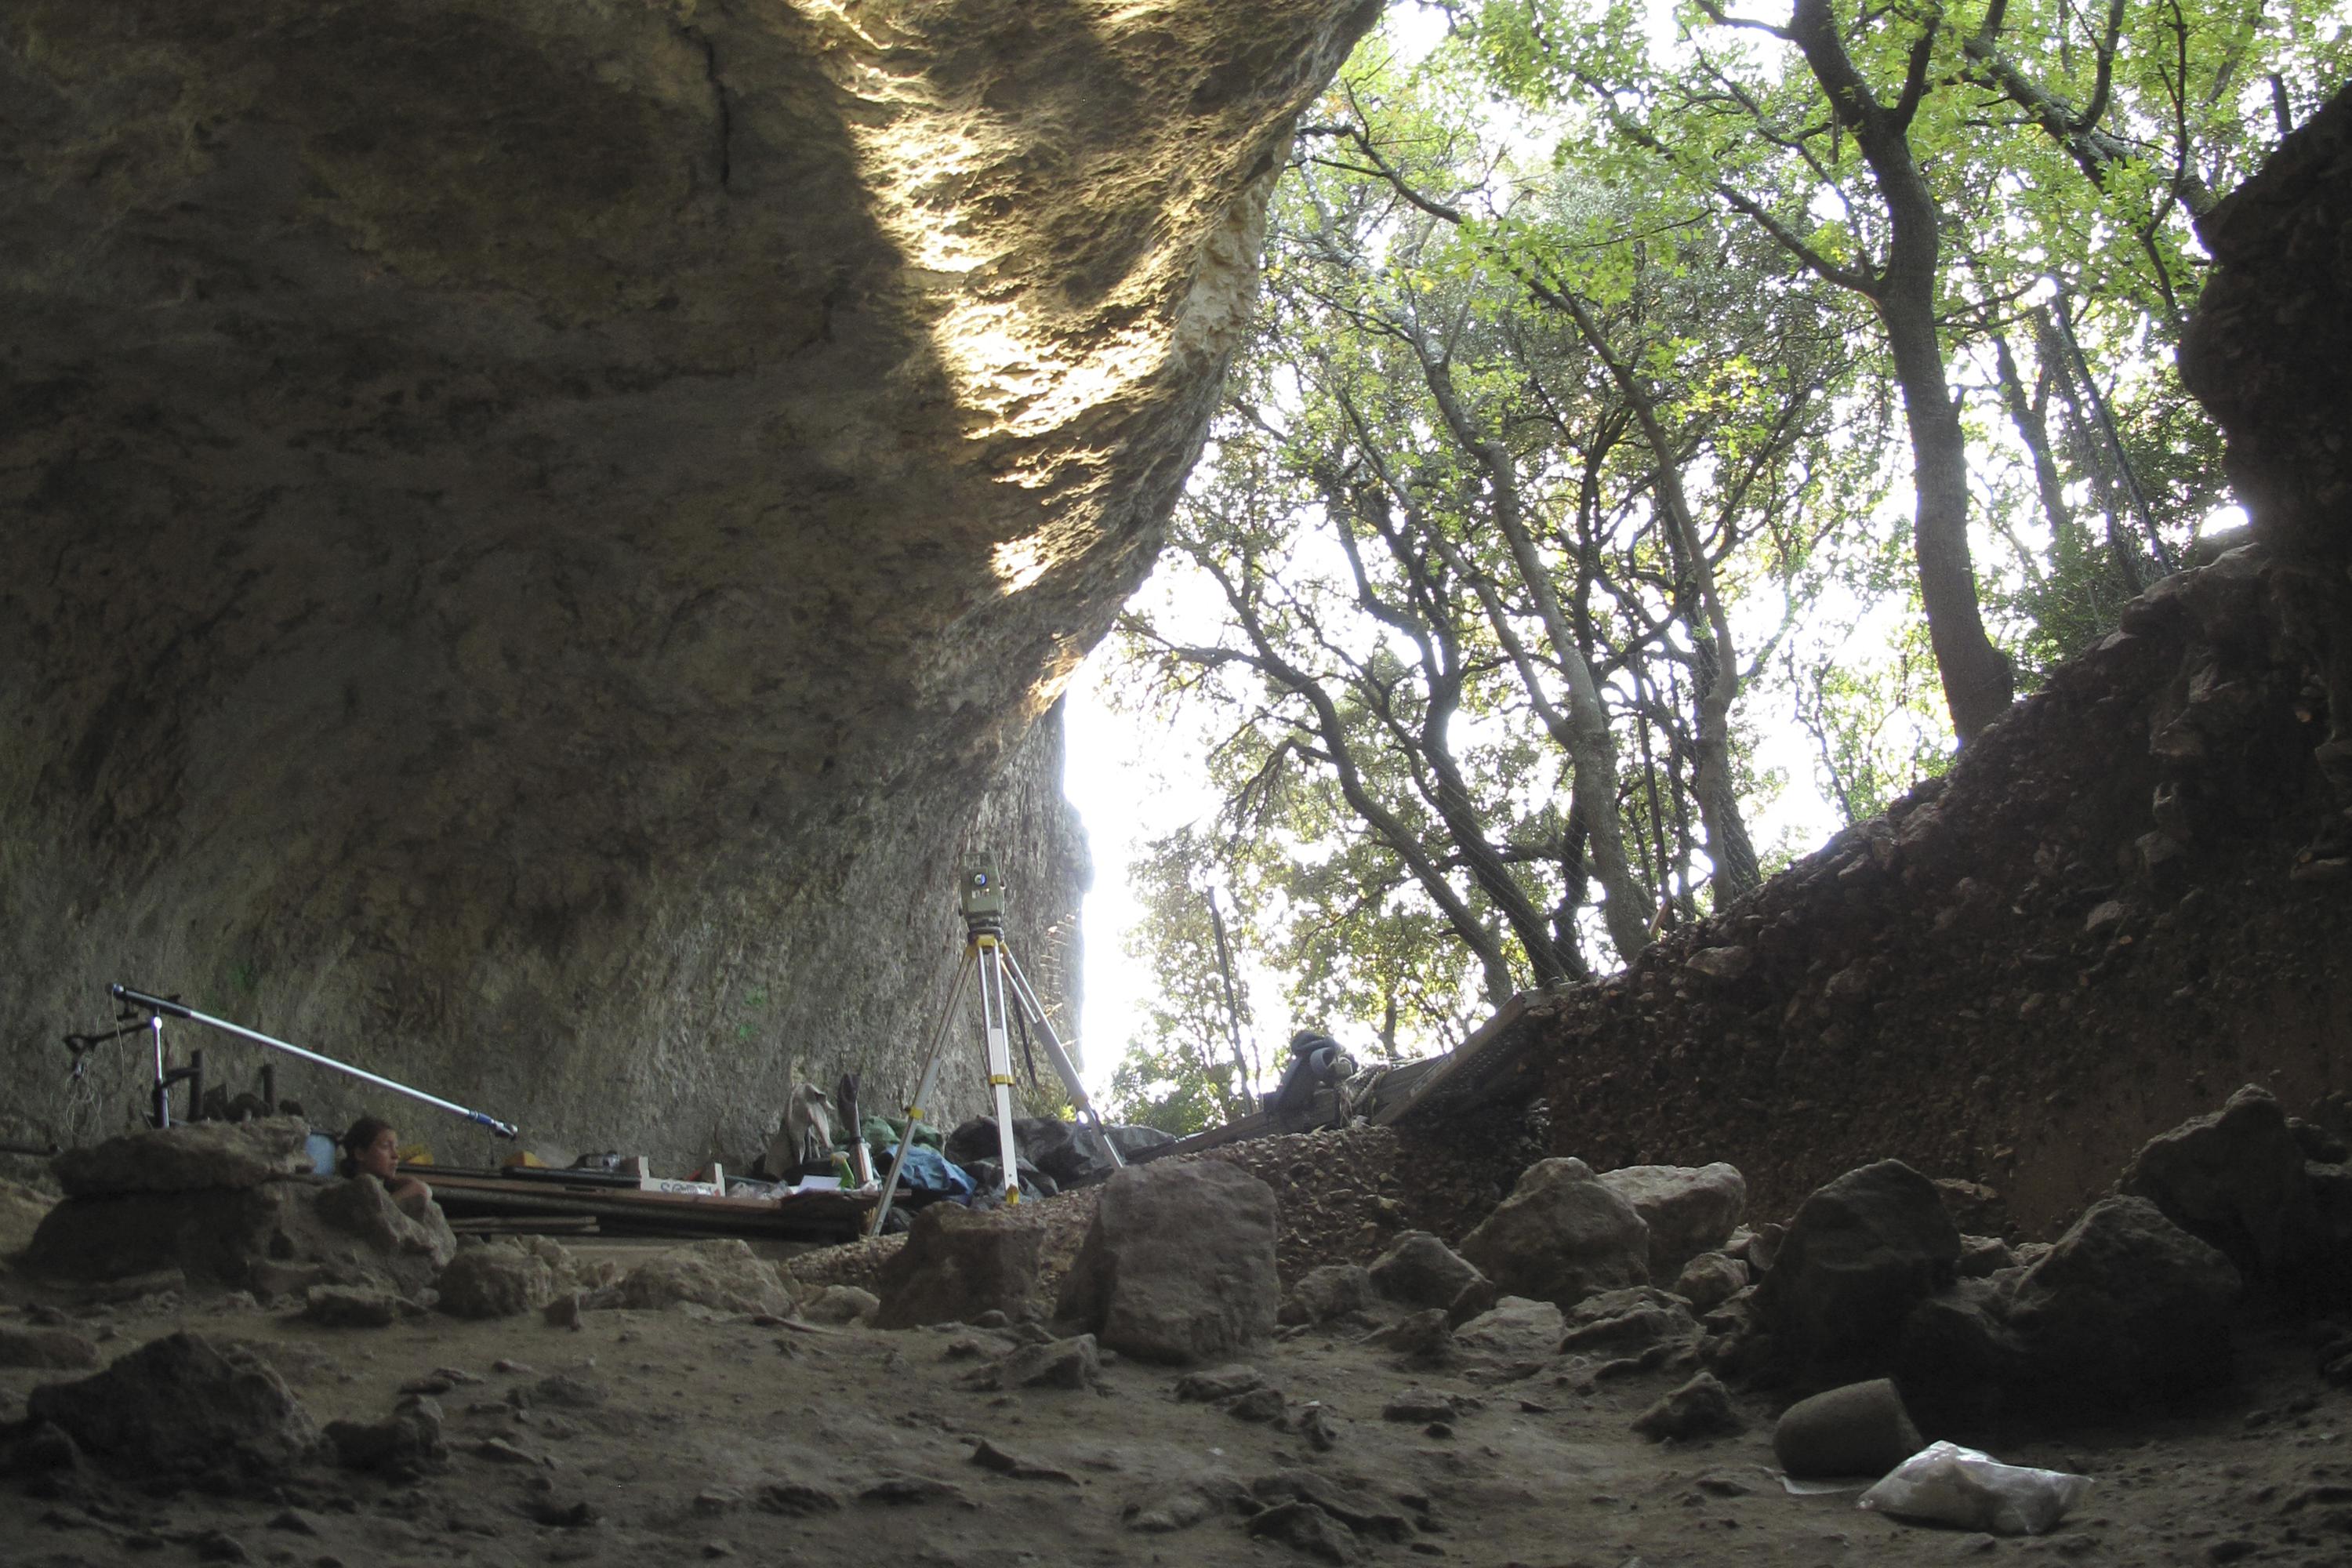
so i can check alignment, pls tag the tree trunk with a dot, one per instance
(1978, 682)
(1592, 748)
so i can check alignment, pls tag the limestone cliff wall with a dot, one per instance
(533, 535)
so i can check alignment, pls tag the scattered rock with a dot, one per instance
(723, 1275)
(2237, 1180)
(1420, 1339)
(1645, 1324)
(1259, 1405)
(989, 1456)
(1179, 1263)
(1710, 1279)
(1981, 1257)
(408, 1439)
(795, 1499)
(901, 1491)
(1181, 1507)
(1863, 1251)
(1516, 1330)
(182, 1406)
(1421, 1404)
(54, 1349)
(1361, 1512)
(1689, 1210)
(505, 1279)
(1073, 1362)
(1561, 1236)
(1418, 1270)
(1313, 1421)
(843, 1304)
(1303, 1526)
(1699, 1408)
(570, 1392)
(1861, 1429)
(1218, 1383)
(1331, 1291)
(275, 1238)
(502, 1451)
(345, 1307)
(192, 1157)
(958, 1263)
(1723, 964)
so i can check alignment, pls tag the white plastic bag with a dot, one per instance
(1944, 1483)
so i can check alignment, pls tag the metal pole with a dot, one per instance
(1054, 1054)
(995, 1024)
(160, 1007)
(922, 1094)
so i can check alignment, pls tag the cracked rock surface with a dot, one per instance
(535, 536)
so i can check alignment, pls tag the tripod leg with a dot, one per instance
(1059, 1057)
(922, 1092)
(996, 1026)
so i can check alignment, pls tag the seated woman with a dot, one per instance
(373, 1148)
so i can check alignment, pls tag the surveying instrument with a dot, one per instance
(1001, 986)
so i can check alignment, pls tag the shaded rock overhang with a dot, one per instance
(516, 516)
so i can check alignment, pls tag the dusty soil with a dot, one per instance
(702, 1411)
(2025, 969)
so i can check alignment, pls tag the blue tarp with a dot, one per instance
(929, 1170)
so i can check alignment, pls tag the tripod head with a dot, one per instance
(984, 898)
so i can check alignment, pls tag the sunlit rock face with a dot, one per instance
(536, 535)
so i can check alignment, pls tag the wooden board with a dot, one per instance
(807, 1216)
(1470, 1069)
(1462, 1076)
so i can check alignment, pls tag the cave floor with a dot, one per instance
(702, 1411)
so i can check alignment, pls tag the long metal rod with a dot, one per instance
(922, 1090)
(1063, 1067)
(163, 1008)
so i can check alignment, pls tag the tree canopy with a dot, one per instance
(1638, 415)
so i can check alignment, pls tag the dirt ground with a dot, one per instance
(703, 1418)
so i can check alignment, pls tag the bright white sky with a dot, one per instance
(1136, 778)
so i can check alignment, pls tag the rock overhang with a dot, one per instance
(492, 485)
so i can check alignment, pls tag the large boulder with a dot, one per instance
(185, 1408)
(725, 1276)
(958, 1263)
(1863, 1251)
(1417, 1269)
(1639, 1323)
(1515, 1331)
(1561, 1236)
(1179, 1263)
(200, 1156)
(1689, 1209)
(1334, 1290)
(506, 1279)
(2125, 1308)
(2238, 1180)
(278, 1238)
(2126, 1305)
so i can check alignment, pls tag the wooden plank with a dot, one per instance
(807, 1216)
(1394, 1094)
(1465, 1061)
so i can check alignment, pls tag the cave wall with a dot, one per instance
(2124, 899)
(535, 537)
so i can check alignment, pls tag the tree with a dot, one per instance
(1470, 526)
